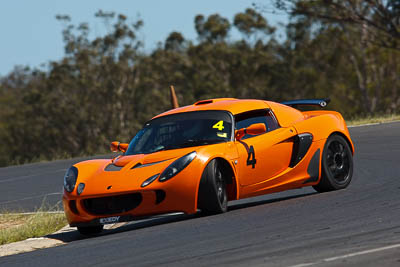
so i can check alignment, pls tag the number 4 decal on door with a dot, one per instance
(251, 158)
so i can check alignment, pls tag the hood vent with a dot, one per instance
(113, 168)
(140, 165)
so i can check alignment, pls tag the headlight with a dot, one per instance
(150, 180)
(177, 166)
(70, 179)
(80, 188)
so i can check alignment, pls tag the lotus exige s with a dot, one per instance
(203, 155)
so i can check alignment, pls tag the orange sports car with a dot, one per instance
(201, 156)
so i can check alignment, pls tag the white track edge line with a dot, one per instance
(362, 252)
(372, 124)
(347, 256)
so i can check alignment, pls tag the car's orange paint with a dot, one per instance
(273, 152)
(271, 173)
(285, 115)
(291, 178)
(323, 123)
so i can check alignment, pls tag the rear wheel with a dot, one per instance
(212, 198)
(90, 230)
(337, 165)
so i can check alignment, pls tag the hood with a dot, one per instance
(153, 158)
(126, 173)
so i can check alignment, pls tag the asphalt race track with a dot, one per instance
(32, 186)
(352, 227)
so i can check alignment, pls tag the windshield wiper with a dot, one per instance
(158, 148)
(198, 142)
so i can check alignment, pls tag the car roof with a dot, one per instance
(233, 105)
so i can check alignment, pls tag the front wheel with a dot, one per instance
(337, 165)
(212, 198)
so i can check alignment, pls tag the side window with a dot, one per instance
(246, 119)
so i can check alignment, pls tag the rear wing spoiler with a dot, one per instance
(307, 102)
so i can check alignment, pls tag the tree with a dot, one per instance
(379, 18)
(174, 41)
(214, 29)
(250, 22)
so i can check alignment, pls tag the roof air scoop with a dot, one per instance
(203, 102)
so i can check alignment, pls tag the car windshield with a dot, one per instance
(182, 130)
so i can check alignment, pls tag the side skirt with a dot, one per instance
(313, 168)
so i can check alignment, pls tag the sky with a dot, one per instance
(30, 34)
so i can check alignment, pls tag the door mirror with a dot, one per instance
(254, 129)
(117, 146)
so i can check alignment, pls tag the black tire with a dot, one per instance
(337, 165)
(90, 230)
(212, 197)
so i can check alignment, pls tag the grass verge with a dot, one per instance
(16, 227)
(374, 119)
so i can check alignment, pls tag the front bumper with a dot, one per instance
(178, 194)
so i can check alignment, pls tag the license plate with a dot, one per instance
(109, 220)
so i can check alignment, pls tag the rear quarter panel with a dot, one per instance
(322, 124)
(286, 116)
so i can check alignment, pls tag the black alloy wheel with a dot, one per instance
(212, 197)
(337, 165)
(221, 186)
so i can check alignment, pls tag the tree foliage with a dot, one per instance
(214, 29)
(105, 88)
(250, 22)
(380, 19)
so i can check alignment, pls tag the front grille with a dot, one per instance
(113, 204)
(72, 206)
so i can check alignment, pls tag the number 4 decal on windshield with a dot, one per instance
(251, 158)
(219, 125)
